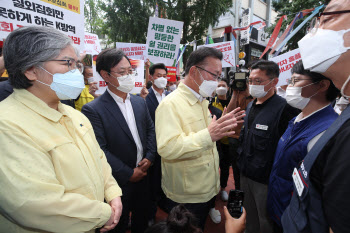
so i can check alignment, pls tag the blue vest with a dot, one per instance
(305, 212)
(291, 150)
(258, 143)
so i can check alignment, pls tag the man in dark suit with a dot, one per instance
(125, 132)
(158, 77)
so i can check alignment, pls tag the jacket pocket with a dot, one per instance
(199, 178)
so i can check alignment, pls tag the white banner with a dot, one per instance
(228, 51)
(67, 16)
(92, 44)
(163, 40)
(133, 50)
(138, 67)
(286, 62)
(245, 22)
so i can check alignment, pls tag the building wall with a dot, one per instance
(260, 9)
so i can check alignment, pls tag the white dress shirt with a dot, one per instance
(159, 97)
(128, 113)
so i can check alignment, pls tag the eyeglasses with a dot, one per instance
(131, 72)
(292, 81)
(256, 81)
(73, 65)
(315, 22)
(215, 76)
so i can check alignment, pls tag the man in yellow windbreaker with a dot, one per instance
(186, 136)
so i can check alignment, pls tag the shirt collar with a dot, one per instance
(299, 117)
(157, 93)
(198, 96)
(117, 98)
(39, 106)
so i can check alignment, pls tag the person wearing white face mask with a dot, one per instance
(216, 108)
(186, 136)
(158, 77)
(125, 131)
(312, 93)
(54, 173)
(267, 119)
(320, 202)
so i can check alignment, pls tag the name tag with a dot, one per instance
(262, 127)
(297, 181)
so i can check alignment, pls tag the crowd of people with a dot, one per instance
(77, 161)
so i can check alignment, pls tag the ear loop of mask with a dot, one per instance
(111, 83)
(200, 75)
(46, 72)
(268, 84)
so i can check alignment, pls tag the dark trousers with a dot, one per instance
(157, 194)
(135, 199)
(199, 210)
(228, 157)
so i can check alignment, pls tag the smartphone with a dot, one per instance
(235, 203)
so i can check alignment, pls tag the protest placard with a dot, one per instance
(171, 75)
(133, 50)
(228, 51)
(92, 44)
(286, 62)
(66, 16)
(163, 40)
(138, 67)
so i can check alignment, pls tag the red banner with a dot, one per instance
(274, 35)
(171, 74)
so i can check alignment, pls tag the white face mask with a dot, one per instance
(207, 88)
(126, 83)
(68, 85)
(294, 98)
(322, 50)
(221, 90)
(258, 91)
(172, 87)
(160, 82)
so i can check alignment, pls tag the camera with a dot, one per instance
(238, 80)
(235, 203)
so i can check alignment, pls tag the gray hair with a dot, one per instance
(29, 47)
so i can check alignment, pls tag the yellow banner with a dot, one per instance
(71, 5)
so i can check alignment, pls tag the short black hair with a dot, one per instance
(197, 57)
(153, 68)
(179, 220)
(332, 91)
(271, 68)
(109, 58)
(224, 80)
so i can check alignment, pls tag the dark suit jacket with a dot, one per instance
(5, 89)
(152, 102)
(114, 136)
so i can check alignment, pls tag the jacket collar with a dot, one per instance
(39, 106)
(191, 96)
